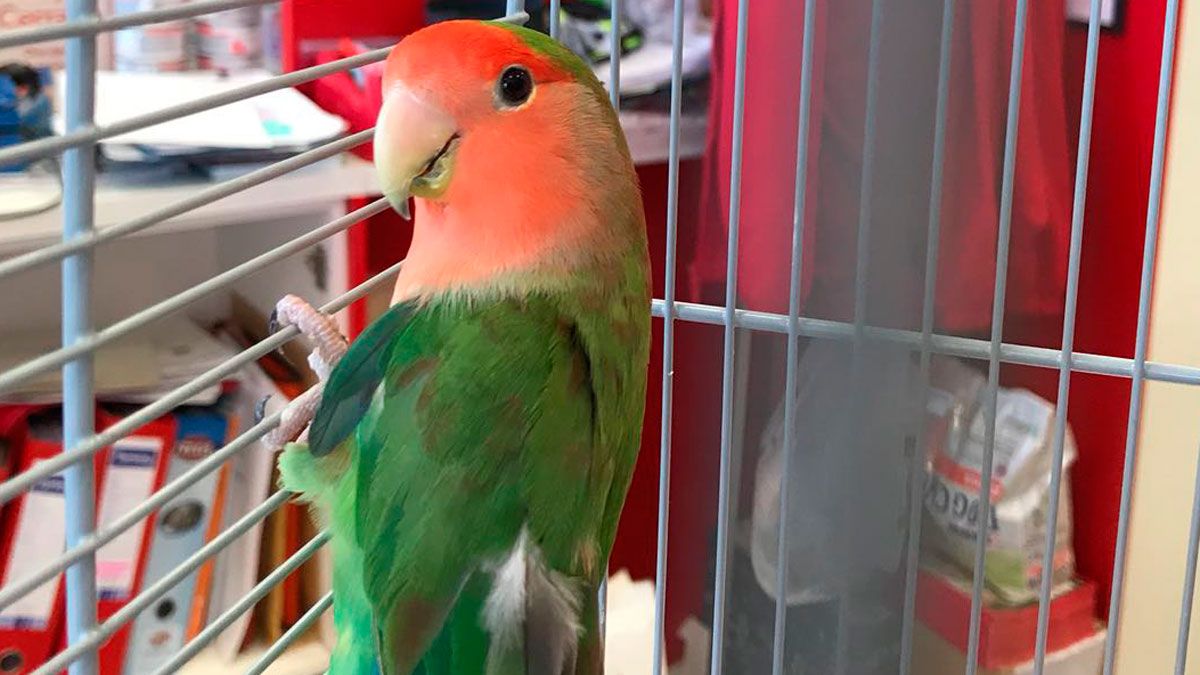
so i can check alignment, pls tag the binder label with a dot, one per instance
(128, 482)
(41, 531)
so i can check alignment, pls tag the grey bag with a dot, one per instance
(849, 474)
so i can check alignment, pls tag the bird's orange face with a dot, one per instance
(466, 103)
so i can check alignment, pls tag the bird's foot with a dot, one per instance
(329, 345)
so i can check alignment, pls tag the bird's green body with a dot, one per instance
(480, 418)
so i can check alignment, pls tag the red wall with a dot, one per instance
(1126, 90)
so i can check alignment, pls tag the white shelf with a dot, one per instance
(306, 190)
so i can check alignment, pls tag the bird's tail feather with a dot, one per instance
(535, 627)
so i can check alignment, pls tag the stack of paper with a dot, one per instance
(179, 349)
(281, 120)
(182, 352)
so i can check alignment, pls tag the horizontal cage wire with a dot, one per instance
(82, 338)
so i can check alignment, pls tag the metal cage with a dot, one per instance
(81, 336)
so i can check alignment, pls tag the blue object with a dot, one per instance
(10, 120)
(24, 116)
(35, 113)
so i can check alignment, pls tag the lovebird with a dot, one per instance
(472, 449)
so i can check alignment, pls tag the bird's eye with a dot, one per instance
(515, 86)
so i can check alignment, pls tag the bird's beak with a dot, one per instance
(414, 148)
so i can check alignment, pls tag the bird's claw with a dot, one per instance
(273, 321)
(321, 330)
(273, 327)
(260, 409)
(295, 418)
(329, 347)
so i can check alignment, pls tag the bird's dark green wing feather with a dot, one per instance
(354, 379)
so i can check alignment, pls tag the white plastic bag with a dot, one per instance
(849, 473)
(1022, 461)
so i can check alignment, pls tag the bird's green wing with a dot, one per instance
(354, 380)
(480, 425)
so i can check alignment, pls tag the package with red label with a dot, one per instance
(1020, 486)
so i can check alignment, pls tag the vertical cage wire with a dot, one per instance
(862, 259)
(1189, 582)
(1149, 252)
(614, 54)
(1068, 335)
(799, 205)
(862, 244)
(614, 93)
(727, 358)
(993, 379)
(932, 242)
(668, 338)
(78, 413)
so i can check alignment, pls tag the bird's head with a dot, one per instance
(508, 144)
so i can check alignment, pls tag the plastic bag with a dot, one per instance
(849, 474)
(1020, 490)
